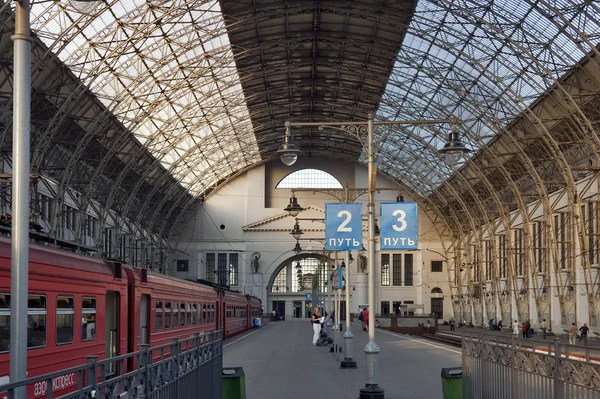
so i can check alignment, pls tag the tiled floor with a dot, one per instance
(280, 362)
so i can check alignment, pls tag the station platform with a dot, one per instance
(280, 361)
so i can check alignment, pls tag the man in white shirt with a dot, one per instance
(544, 326)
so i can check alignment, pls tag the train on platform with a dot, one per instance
(81, 306)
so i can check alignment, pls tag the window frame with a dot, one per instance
(83, 312)
(64, 313)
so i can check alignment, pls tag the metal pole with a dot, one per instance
(20, 196)
(348, 362)
(371, 389)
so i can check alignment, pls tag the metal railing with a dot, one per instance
(501, 367)
(187, 368)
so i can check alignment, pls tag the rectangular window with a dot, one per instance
(167, 315)
(182, 265)
(396, 269)
(36, 321)
(502, 255)
(65, 316)
(182, 314)
(212, 313)
(88, 318)
(233, 269)
(222, 269)
(159, 316)
(408, 269)
(488, 260)
(194, 314)
(4, 322)
(175, 314)
(385, 269)
(518, 247)
(210, 267)
(538, 246)
(204, 314)
(437, 266)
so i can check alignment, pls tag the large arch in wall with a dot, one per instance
(293, 259)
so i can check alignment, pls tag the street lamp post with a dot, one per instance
(453, 152)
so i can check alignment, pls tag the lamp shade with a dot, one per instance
(454, 149)
(297, 249)
(296, 231)
(288, 152)
(293, 208)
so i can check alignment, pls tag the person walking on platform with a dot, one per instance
(544, 326)
(366, 317)
(515, 329)
(583, 333)
(572, 334)
(524, 329)
(452, 325)
(316, 320)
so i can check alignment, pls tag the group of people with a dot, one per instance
(574, 332)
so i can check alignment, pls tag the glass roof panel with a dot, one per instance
(166, 70)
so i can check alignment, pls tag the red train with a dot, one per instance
(80, 306)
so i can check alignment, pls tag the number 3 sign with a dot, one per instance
(399, 226)
(343, 226)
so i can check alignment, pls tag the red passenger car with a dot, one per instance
(80, 306)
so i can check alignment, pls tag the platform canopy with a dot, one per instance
(147, 106)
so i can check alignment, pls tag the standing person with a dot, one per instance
(428, 326)
(500, 325)
(524, 329)
(362, 319)
(544, 326)
(316, 320)
(583, 333)
(452, 325)
(572, 334)
(366, 317)
(515, 329)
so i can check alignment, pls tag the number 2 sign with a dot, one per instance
(343, 226)
(399, 226)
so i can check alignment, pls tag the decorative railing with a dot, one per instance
(185, 368)
(512, 368)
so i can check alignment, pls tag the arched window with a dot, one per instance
(309, 178)
(437, 290)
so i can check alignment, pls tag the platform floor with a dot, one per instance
(280, 362)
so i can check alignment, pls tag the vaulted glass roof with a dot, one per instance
(205, 88)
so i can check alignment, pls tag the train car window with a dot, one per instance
(167, 315)
(65, 315)
(182, 314)
(159, 316)
(212, 313)
(88, 318)
(204, 316)
(189, 314)
(4, 322)
(194, 314)
(175, 314)
(36, 321)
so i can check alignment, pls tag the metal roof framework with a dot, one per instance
(147, 107)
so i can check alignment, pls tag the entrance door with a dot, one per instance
(437, 307)
(144, 306)
(111, 329)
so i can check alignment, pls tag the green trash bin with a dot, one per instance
(234, 383)
(452, 383)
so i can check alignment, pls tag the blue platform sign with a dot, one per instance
(308, 297)
(340, 277)
(399, 226)
(343, 226)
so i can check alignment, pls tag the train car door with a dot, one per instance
(217, 316)
(144, 316)
(111, 329)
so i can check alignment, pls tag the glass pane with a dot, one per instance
(88, 319)
(4, 322)
(64, 320)
(159, 316)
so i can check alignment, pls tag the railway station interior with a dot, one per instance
(192, 148)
